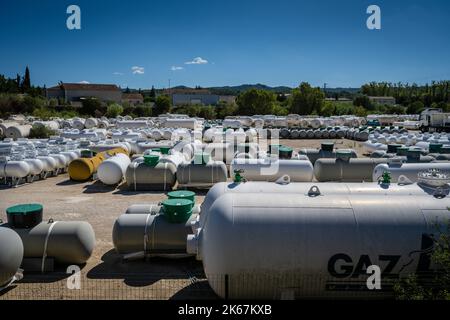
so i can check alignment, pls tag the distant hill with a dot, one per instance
(235, 90)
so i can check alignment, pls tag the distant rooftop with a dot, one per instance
(86, 87)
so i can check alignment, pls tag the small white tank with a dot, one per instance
(271, 169)
(409, 170)
(112, 170)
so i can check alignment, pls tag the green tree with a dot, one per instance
(415, 107)
(114, 110)
(26, 84)
(279, 110)
(143, 110)
(226, 109)
(89, 106)
(153, 93)
(328, 109)
(255, 101)
(305, 99)
(208, 112)
(363, 101)
(432, 285)
(162, 105)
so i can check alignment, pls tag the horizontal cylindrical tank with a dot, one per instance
(351, 170)
(313, 246)
(271, 169)
(158, 177)
(16, 132)
(181, 123)
(14, 169)
(36, 166)
(409, 170)
(201, 175)
(112, 170)
(82, 169)
(11, 254)
(153, 208)
(67, 242)
(49, 163)
(327, 188)
(6, 125)
(326, 151)
(150, 234)
(91, 123)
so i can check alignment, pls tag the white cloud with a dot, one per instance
(84, 82)
(118, 73)
(197, 60)
(138, 70)
(175, 68)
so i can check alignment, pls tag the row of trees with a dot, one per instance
(407, 94)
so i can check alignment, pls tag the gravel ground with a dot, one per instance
(106, 276)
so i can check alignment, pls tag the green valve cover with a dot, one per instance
(343, 154)
(445, 150)
(182, 194)
(165, 150)
(392, 148)
(177, 210)
(151, 160)
(24, 216)
(87, 154)
(327, 146)
(402, 151)
(285, 152)
(435, 147)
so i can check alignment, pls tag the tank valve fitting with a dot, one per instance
(385, 178)
(237, 176)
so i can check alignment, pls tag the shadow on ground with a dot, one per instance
(139, 273)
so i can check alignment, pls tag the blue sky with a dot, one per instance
(279, 42)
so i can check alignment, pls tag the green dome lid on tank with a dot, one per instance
(402, 151)
(392, 148)
(165, 150)
(87, 154)
(327, 146)
(151, 160)
(182, 194)
(24, 216)
(285, 152)
(156, 150)
(435, 147)
(177, 210)
(445, 150)
(344, 155)
(413, 154)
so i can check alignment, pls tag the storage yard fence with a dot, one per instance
(108, 286)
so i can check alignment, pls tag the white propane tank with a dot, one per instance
(112, 170)
(271, 169)
(91, 123)
(313, 244)
(16, 132)
(408, 170)
(15, 169)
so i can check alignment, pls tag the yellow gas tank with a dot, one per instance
(82, 169)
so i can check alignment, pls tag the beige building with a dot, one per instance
(133, 99)
(74, 93)
(390, 101)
